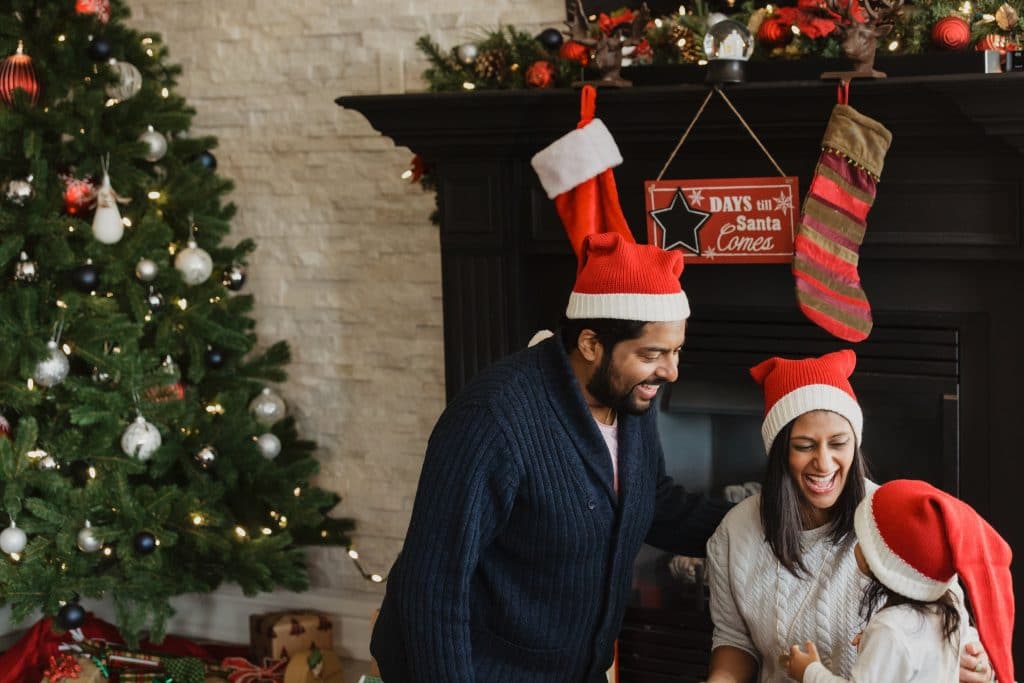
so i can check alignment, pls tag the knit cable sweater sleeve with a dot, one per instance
(466, 490)
(730, 627)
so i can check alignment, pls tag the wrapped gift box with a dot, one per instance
(276, 635)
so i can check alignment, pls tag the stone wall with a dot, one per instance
(348, 266)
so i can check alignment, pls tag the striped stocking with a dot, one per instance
(833, 222)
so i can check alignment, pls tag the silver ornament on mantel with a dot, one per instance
(269, 445)
(467, 53)
(13, 539)
(53, 369)
(19, 191)
(146, 270)
(106, 222)
(141, 439)
(267, 407)
(26, 270)
(87, 540)
(128, 83)
(206, 457)
(194, 264)
(156, 144)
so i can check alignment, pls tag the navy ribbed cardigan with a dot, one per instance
(519, 555)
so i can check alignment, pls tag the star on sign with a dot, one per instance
(783, 202)
(696, 197)
(679, 224)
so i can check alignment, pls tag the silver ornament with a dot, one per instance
(156, 144)
(128, 83)
(467, 53)
(194, 264)
(13, 539)
(269, 444)
(154, 300)
(19, 191)
(146, 270)
(26, 270)
(267, 407)
(205, 457)
(87, 540)
(141, 439)
(52, 370)
(234, 277)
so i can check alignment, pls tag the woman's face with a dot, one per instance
(821, 449)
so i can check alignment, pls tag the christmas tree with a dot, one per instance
(144, 454)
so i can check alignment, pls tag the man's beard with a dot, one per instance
(600, 387)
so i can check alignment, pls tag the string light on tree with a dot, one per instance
(375, 578)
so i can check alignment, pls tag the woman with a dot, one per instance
(781, 565)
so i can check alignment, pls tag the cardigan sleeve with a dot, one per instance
(465, 493)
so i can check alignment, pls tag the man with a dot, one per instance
(541, 481)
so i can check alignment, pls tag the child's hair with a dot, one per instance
(877, 596)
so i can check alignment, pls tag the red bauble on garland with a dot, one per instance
(575, 52)
(995, 41)
(773, 33)
(951, 33)
(100, 8)
(540, 74)
(79, 195)
(16, 73)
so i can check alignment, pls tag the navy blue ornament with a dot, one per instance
(70, 616)
(144, 543)
(100, 49)
(215, 358)
(86, 278)
(207, 161)
(551, 38)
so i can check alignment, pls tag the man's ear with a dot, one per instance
(589, 345)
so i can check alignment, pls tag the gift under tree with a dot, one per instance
(145, 452)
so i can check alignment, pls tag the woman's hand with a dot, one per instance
(974, 665)
(800, 660)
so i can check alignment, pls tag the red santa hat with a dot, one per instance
(576, 172)
(794, 387)
(917, 539)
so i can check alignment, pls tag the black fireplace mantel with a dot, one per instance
(943, 255)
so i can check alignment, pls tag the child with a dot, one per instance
(913, 543)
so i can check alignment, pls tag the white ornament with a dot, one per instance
(128, 83)
(467, 53)
(270, 445)
(13, 539)
(19, 191)
(156, 143)
(267, 407)
(106, 223)
(146, 270)
(87, 541)
(141, 439)
(51, 371)
(194, 264)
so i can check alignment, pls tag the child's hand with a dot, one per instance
(800, 660)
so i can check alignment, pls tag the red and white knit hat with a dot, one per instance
(621, 279)
(794, 387)
(917, 540)
(576, 171)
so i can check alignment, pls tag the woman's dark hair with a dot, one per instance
(781, 504)
(609, 331)
(878, 596)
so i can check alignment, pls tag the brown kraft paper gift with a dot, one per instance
(277, 635)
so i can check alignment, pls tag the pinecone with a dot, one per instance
(686, 42)
(492, 65)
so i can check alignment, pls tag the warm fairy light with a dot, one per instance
(894, 45)
(682, 10)
(353, 553)
(702, 62)
(66, 349)
(16, 557)
(214, 299)
(108, 551)
(283, 522)
(153, 194)
(92, 472)
(157, 542)
(63, 566)
(795, 29)
(61, 38)
(126, 222)
(61, 303)
(110, 295)
(71, 228)
(172, 248)
(149, 52)
(215, 409)
(240, 532)
(147, 41)
(30, 384)
(197, 519)
(323, 534)
(164, 92)
(658, 22)
(183, 304)
(406, 174)
(273, 514)
(266, 531)
(468, 86)
(111, 102)
(376, 578)
(116, 350)
(681, 42)
(147, 317)
(297, 491)
(966, 8)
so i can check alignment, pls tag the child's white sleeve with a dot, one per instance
(883, 656)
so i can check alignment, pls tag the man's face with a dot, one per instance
(627, 379)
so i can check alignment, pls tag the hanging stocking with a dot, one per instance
(834, 220)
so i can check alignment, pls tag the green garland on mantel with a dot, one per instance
(509, 58)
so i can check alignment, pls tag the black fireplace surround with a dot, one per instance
(941, 374)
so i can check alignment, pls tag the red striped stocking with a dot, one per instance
(833, 223)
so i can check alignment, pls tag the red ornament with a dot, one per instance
(540, 74)
(951, 33)
(5, 427)
(16, 73)
(79, 195)
(575, 52)
(100, 8)
(166, 393)
(995, 41)
(61, 667)
(774, 32)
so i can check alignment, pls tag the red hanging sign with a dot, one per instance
(724, 220)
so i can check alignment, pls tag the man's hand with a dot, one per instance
(974, 665)
(800, 660)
